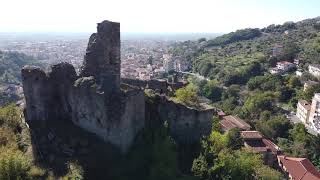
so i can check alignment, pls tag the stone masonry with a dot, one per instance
(93, 100)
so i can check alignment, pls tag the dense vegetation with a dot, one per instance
(237, 65)
(11, 64)
(239, 35)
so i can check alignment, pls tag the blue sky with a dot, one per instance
(151, 15)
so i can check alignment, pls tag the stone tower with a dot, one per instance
(93, 100)
(102, 59)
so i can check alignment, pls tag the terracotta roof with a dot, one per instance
(299, 168)
(273, 147)
(284, 62)
(230, 122)
(221, 113)
(251, 135)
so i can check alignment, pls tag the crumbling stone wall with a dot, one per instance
(187, 124)
(93, 100)
(160, 86)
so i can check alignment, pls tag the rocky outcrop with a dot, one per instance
(93, 100)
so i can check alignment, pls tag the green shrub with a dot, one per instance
(14, 165)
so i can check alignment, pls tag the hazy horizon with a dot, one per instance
(152, 16)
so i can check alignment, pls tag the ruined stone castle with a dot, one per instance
(97, 101)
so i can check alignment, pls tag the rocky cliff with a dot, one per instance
(93, 100)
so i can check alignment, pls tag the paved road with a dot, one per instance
(194, 74)
(293, 118)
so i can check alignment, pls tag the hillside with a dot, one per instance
(238, 66)
(11, 64)
(226, 55)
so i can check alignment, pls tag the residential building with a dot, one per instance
(309, 84)
(314, 69)
(298, 168)
(282, 67)
(285, 66)
(255, 142)
(314, 117)
(299, 72)
(230, 122)
(275, 71)
(303, 111)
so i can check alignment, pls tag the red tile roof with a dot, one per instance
(257, 143)
(251, 135)
(230, 122)
(221, 113)
(299, 168)
(284, 62)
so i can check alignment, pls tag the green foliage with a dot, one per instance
(299, 133)
(244, 34)
(313, 150)
(265, 83)
(309, 93)
(294, 82)
(75, 172)
(235, 140)
(11, 64)
(242, 76)
(10, 116)
(14, 164)
(216, 124)
(275, 127)
(212, 91)
(188, 95)
(221, 158)
(257, 103)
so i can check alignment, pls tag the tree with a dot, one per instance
(294, 82)
(212, 91)
(14, 164)
(235, 140)
(274, 128)
(299, 133)
(309, 93)
(188, 95)
(257, 103)
(313, 150)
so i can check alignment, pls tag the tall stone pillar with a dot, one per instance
(102, 59)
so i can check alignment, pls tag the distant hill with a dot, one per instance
(226, 55)
(11, 64)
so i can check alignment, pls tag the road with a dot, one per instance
(293, 118)
(194, 74)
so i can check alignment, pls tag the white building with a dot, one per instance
(285, 66)
(275, 71)
(303, 111)
(314, 69)
(314, 117)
